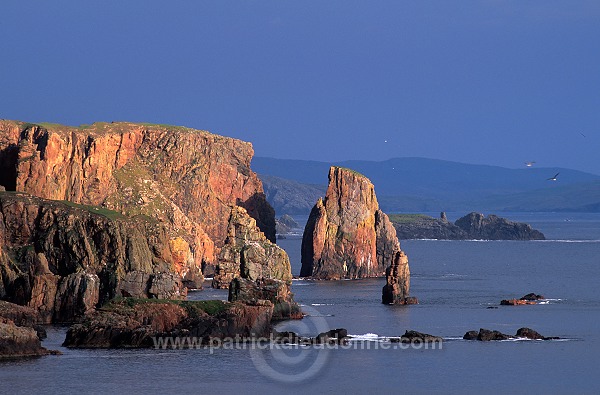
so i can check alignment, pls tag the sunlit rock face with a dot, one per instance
(187, 179)
(347, 236)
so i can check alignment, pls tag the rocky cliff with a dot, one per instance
(346, 235)
(471, 226)
(63, 259)
(254, 268)
(185, 178)
(492, 227)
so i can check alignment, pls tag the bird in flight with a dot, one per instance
(529, 164)
(582, 134)
(553, 178)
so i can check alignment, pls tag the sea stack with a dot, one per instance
(347, 236)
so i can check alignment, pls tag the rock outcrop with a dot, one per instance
(185, 178)
(395, 291)
(490, 335)
(415, 337)
(530, 298)
(493, 227)
(471, 226)
(285, 224)
(139, 323)
(254, 268)
(346, 235)
(63, 260)
(20, 335)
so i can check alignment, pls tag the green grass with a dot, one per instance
(194, 308)
(351, 171)
(110, 214)
(409, 218)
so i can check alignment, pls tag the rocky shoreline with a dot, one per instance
(473, 226)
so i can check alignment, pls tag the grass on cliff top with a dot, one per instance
(351, 171)
(194, 308)
(409, 218)
(110, 214)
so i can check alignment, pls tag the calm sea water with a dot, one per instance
(455, 282)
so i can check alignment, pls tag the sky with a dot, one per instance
(495, 82)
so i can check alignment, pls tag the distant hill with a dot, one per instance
(289, 196)
(419, 184)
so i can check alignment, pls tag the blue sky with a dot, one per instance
(492, 82)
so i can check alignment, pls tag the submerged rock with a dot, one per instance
(489, 335)
(418, 337)
(485, 335)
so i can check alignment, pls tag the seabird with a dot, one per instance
(553, 178)
(529, 164)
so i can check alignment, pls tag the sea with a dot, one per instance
(459, 285)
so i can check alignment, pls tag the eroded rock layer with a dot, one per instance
(63, 260)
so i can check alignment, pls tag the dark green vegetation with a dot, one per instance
(110, 214)
(194, 308)
(409, 218)
(420, 185)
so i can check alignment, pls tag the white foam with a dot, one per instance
(321, 304)
(372, 337)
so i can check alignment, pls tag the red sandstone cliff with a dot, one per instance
(185, 178)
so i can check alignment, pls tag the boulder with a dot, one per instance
(485, 335)
(533, 335)
(339, 335)
(418, 337)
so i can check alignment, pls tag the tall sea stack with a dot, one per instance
(347, 236)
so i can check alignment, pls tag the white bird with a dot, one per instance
(553, 178)
(529, 164)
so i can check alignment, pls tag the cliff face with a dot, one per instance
(346, 235)
(183, 177)
(492, 227)
(63, 260)
(471, 226)
(255, 269)
(249, 254)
